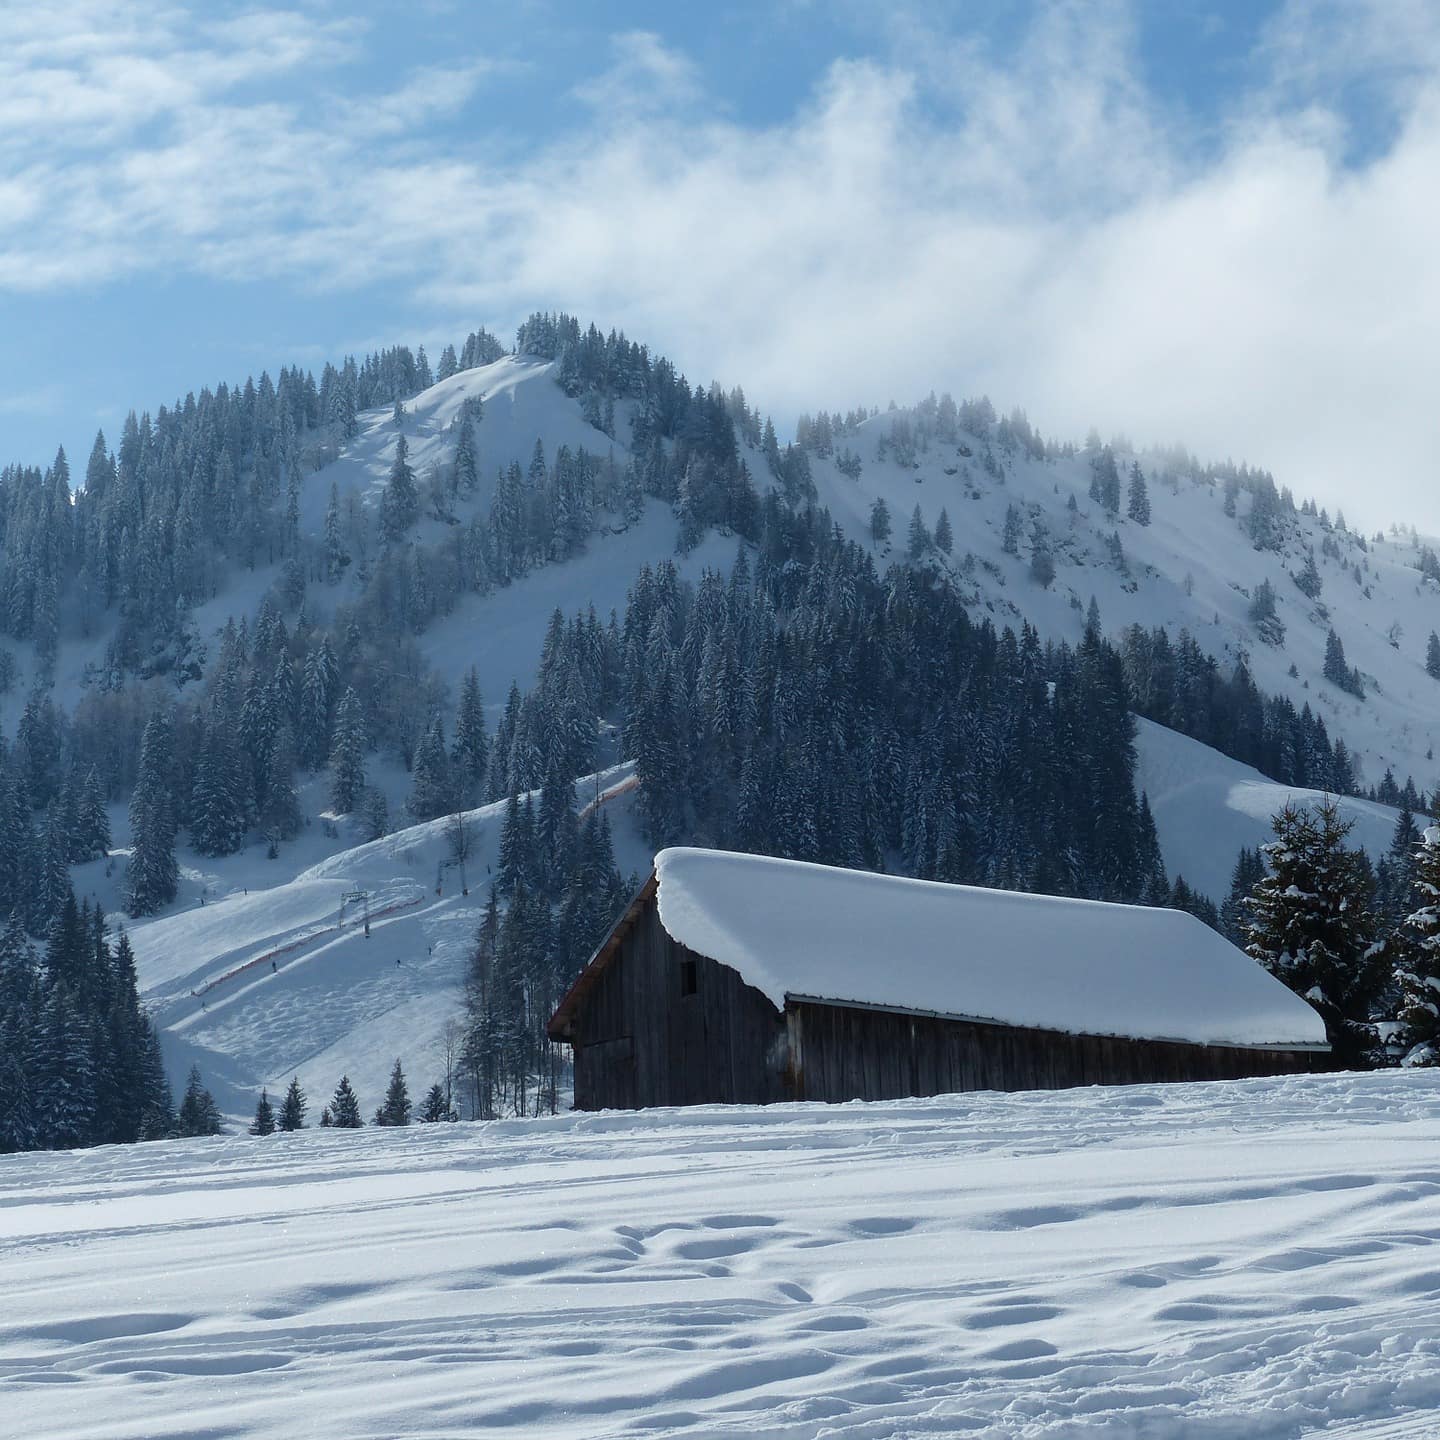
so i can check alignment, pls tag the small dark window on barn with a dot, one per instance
(689, 977)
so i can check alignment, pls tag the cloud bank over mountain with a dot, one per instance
(1041, 221)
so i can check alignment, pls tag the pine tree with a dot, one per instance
(1396, 876)
(1248, 871)
(465, 475)
(918, 542)
(431, 792)
(1105, 480)
(293, 1107)
(470, 751)
(152, 876)
(1042, 561)
(1337, 671)
(347, 755)
(1139, 500)
(218, 801)
(1013, 530)
(400, 503)
(944, 540)
(1308, 581)
(1417, 971)
(435, 1109)
(92, 821)
(199, 1114)
(1312, 927)
(158, 1120)
(335, 557)
(20, 998)
(1432, 656)
(344, 1107)
(879, 520)
(264, 1121)
(396, 1109)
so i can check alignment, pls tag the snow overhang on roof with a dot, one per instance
(796, 930)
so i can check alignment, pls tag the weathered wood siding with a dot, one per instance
(843, 1053)
(661, 1025)
(641, 1041)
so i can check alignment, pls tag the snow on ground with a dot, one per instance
(1207, 806)
(263, 984)
(1255, 1259)
(793, 929)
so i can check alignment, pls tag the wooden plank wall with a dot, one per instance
(853, 1054)
(640, 1041)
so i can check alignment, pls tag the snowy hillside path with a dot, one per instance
(1209, 1260)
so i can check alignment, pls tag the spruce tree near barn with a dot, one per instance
(1417, 972)
(1312, 925)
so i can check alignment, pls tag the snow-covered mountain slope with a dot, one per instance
(521, 404)
(333, 1004)
(1193, 567)
(501, 633)
(1207, 806)
(1218, 1260)
(261, 984)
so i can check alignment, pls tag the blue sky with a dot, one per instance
(1205, 222)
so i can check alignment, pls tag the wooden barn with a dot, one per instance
(740, 979)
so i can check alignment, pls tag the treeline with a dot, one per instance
(561, 891)
(1362, 948)
(343, 1112)
(1176, 684)
(80, 1061)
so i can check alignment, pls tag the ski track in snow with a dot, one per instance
(1251, 1259)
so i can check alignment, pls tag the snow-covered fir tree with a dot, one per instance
(344, 1107)
(199, 1114)
(1417, 969)
(293, 1107)
(264, 1121)
(396, 1109)
(1138, 507)
(347, 755)
(1312, 926)
(152, 875)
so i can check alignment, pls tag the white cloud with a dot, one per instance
(646, 75)
(933, 217)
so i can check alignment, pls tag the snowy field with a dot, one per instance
(1255, 1259)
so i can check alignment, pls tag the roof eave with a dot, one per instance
(1316, 1046)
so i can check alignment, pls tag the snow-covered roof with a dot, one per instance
(796, 930)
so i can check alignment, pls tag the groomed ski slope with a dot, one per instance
(262, 984)
(1255, 1259)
